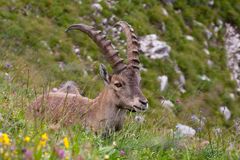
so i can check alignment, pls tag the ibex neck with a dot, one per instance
(106, 99)
(106, 112)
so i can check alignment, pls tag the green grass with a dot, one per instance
(33, 41)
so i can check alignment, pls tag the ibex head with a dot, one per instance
(125, 81)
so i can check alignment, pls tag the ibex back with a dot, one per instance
(121, 93)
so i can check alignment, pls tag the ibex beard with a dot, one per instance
(121, 93)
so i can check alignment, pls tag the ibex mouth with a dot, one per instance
(139, 108)
(132, 110)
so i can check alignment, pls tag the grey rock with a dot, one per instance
(153, 48)
(96, 7)
(211, 2)
(208, 33)
(180, 82)
(163, 82)
(168, 1)
(139, 119)
(225, 112)
(189, 38)
(184, 131)
(232, 46)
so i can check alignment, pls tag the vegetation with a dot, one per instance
(33, 44)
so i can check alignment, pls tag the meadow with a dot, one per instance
(38, 55)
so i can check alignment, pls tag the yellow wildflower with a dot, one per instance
(106, 157)
(44, 137)
(42, 143)
(6, 156)
(67, 157)
(114, 143)
(4, 139)
(26, 139)
(43, 140)
(66, 142)
(46, 155)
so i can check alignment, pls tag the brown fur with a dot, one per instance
(99, 115)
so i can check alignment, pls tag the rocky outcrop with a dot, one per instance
(184, 131)
(225, 112)
(180, 82)
(167, 104)
(163, 82)
(153, 48)
(232, 46)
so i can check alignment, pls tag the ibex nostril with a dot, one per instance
(144, 102)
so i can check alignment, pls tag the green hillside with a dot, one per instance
(38, 55)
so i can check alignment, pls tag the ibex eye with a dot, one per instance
(118, 85)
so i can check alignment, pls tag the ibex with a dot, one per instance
(121, 92)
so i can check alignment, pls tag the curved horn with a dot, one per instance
(106, 46)
(132, 44)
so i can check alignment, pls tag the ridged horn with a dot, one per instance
(132, 44)
(107, 48)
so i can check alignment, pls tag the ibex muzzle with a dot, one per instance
(121, 93)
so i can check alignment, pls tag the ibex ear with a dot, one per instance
(104, 73)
